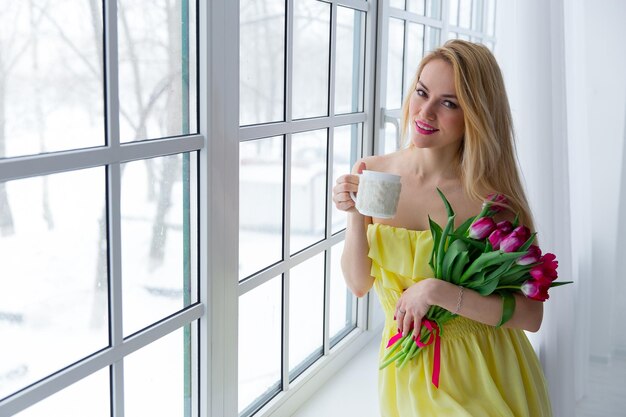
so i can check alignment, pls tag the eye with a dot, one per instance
(421, 92)
(450, 104)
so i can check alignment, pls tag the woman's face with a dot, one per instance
(435, 116)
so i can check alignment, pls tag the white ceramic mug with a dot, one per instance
(378, 194)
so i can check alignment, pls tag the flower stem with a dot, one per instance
(508, 287)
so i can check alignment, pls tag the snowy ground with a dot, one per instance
(53, 310)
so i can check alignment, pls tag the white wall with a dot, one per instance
(571, 56)
(605, 89)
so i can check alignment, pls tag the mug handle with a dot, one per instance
(352, 194)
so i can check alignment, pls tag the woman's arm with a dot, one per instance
(355, 263)
(487, 309)
(416, 300)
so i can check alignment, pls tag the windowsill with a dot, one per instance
(352, 391)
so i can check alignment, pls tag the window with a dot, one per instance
(412, 28)
(165, 183)
(98, 208)
(302, 77)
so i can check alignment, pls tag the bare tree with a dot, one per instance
(11, 51)
(174, 120)
(39, 114)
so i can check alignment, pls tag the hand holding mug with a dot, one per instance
(371, 193)
(347, 184)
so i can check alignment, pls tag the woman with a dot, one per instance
(457, 120)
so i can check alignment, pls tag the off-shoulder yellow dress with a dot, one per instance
(484, 371)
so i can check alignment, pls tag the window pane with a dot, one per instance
(157, 377)
(429, 8)
(342, 302)
(350, 60)
(346, 142)
(51, 88)
(260, 324)
(306, 314)
(453, 14)
(491, 17)
(260, 204)
(156, 275)
(416, 6)
(392, 138)
(398, 4)
(477, 16)
(311, 54)
(54, 274)
(414, 52)
(87, 397)
(465, 13)
(308, 188)
(394, 64)
(156, 76)
(261, 61)
(431, 41)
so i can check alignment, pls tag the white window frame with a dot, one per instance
(215, 344)
(111, 156)
(224, 222)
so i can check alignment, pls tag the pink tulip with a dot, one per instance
(495, 238)
(546, 271)
(505, 225)
(535, 290)
(481, 228)
(499, 201)
(515, 239)
(532, 256)
(511, 243)
(522, 232)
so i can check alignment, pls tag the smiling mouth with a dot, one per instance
(424, 128)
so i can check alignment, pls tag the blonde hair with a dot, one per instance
(488, 161)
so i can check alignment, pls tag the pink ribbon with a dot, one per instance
(394, 339)
(434, 337)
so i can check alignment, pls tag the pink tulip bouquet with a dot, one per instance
(484, 256)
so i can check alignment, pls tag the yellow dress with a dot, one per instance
(484, 371)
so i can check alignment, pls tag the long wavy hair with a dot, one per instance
(487, 157)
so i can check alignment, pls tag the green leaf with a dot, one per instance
(508, 307)
(447, 203)
(488, 286)
(515, 221)
(527, 244)
(454, 250)
(436, 232)
(500, 270)
(516, 272)
(475, 243)
(441, 250)
(457, 270)
(475, 281)
(463, 228)
(487, 259)
(558, 284)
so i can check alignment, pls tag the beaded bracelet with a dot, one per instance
(459, 301)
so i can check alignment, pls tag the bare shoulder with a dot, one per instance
(381, 163)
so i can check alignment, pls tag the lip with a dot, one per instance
(424, 128)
